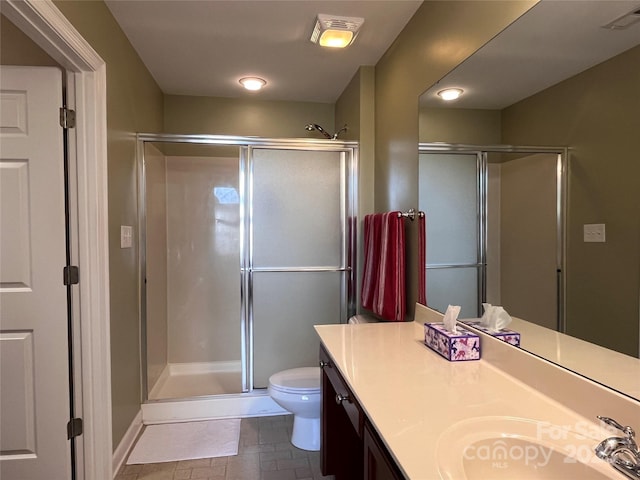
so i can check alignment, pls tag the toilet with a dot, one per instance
(298, 391)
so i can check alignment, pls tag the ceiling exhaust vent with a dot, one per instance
(624, 21)
(334, 31)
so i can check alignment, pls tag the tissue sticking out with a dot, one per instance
(451, 317)
(494, 322)
(494, 318)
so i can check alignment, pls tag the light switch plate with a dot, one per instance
(126, 236)
(594, 232)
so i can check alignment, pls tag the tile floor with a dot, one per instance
(264, 453)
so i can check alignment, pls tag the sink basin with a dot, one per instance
(505, 448)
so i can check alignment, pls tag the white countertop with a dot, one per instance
(412, 395)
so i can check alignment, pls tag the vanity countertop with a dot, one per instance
(413, 396)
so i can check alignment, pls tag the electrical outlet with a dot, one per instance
(126, 236)
(594, 232)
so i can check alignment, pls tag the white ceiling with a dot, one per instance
(204, 47)
(555, 40)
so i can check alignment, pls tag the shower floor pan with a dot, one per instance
(186, 380)
(203, 391)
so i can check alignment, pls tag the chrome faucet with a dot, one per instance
(621, 452)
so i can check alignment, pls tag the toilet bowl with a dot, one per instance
(298, 391)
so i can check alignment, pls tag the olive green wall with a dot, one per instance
(460, 125)
(244, 116)
(438, 37)
(134, 104)
(18, 49)
(356, 109)
(596, 114)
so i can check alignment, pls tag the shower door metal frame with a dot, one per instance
(348, 210)
(349, 179)
(482, 152)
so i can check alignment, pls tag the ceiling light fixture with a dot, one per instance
(252, 83)
(449, 94)
(336, 32)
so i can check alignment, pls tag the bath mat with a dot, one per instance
(171, 442)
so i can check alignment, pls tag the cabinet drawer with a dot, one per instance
(343, 395)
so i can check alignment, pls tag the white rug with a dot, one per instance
(186, 441)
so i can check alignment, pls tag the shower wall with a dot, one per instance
(203, 257)
(156, 260)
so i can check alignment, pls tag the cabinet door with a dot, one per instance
(340, 442)
(378, 464)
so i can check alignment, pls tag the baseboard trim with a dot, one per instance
(218, 406)
(127, 442)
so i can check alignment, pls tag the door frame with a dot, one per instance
(86, 94)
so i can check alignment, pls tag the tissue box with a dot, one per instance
(506, 335)
(456, 347)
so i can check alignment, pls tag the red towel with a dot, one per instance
(422, 260)
(383, 280)
(372, 229)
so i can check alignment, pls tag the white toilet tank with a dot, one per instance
(297, 380)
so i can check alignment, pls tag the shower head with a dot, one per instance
(343, 129)
(314, 126)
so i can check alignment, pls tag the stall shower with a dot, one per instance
(245, 245)
(495, 228)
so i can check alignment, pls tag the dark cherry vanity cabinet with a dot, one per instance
(350, 448)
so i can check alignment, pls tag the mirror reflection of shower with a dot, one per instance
(314, 126)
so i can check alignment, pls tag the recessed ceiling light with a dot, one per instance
(253, 83)
(336, 32)
(449, 94)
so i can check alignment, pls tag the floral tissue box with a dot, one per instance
(506, 335)
(456, 347)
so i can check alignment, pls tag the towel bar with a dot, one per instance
(410, 214)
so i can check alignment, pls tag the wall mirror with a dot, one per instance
(558, 86)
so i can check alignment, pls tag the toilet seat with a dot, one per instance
(305, 380)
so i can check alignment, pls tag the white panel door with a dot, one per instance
(34, 385)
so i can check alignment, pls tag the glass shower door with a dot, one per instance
(296, 265)
(449, 194)
(495, 219)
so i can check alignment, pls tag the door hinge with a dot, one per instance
(74, 428)
(67, 118)
(71, 275)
